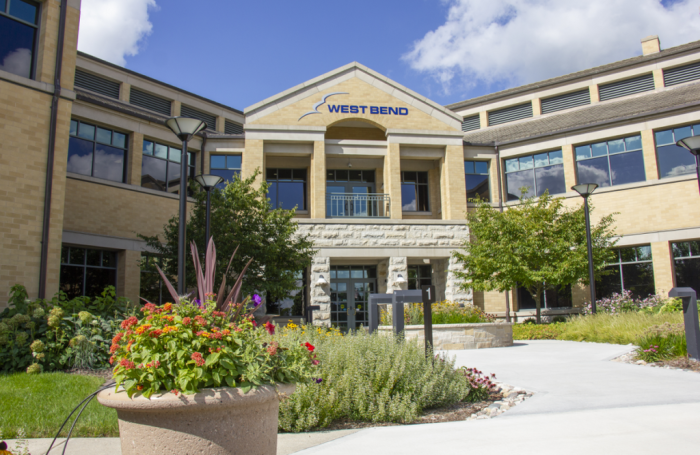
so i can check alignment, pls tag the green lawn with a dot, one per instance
(40, 403)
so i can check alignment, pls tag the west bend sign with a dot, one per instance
(355, 109)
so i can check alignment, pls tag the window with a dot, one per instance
(96, 151)
(160, 168)
(152, 287)
(351, 192)
(18, 33)
(414, 191)
(476, 174)
(287, 188)
(419, 276)
(225, 166)
(633, 272)
(674, 160)
(537, 173)
(686, 261)
(552, 297)
(611, 163)
(86, 271)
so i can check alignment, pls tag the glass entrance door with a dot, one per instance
(351, 286)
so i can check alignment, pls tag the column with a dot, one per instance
(321, 295)
(453, 292)
(124, 92)
(483, 119)
(595, 96)
(569, 166)
(317, 180)
(383, 276)
(663, 267)
(397, 266)
(493, 177)
(133, 172)
(129, 274)
(649, 152)
(536, 107)
(434, 193)
(658, 78)
(439, 277)
(454, 188)
(175, 108)
(392, 179)
(220, 124)
(253, 158)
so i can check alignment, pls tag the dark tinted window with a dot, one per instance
(96, 151)
(287, 188)
(553, 297)
(226, 167)
(160, 167)
(633, 271)
(674, 160)
(18, 31)
(614, 162)
(414, 191)
(86, 271)
(476, 175)
(419, 276)
(536, 174)
(686, 259)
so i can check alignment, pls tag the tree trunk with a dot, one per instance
(538, 304)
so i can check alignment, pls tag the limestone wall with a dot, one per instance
(449, 337)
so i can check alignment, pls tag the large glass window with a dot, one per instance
(86, 271)
(674, 160)
(553, 297)
(287, 188)
(152, 287)
(612, 162)
(686, 261)
(160, 168)
(476, 175)
(225, 166)
(633, 271)
(414, 191)
(419, 276)
(349, 192)
(96, 151)
(537, 173)
(18, 33)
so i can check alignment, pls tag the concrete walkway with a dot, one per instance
(583, 404)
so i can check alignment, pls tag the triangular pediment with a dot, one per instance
(353, 92)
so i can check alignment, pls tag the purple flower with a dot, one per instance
(257, 299)
(318, 380)
(198, 303)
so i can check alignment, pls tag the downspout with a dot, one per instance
(500, 208)
(204, 143)
(52, 151)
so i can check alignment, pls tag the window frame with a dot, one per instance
(533, 169)
(419, 268)
(608, 155)
(416, 186)
(236, 171)
(84, 266)
(305, 181)
(487, 174)
(192, 164)
(36, 27)
(620, 263)
(125, 167)
(693, 127)
(679, 258)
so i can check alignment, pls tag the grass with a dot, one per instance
(40, 403)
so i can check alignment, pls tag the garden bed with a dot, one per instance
(449, 337)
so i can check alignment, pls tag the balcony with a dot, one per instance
(352, 205)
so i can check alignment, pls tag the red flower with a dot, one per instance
(139, 387)
(219, 314)
(175, 391)
(201, 321)
(118, 338)
(113, 348)
(148, 307)
(309, 346)
(111, 360)
(272, 349)
(128, 364)
(168, 306)
(129, 322)
(315, 362)
(270, 327)
(198, 359)
(217, 335)
(155, 333)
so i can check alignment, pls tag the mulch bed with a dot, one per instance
(681, 363)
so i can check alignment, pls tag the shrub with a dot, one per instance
(625, 302)
(538, 331)
(444, 312)
(373, 378)
(616, 328)
(662, 342)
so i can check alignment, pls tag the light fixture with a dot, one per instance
(321, 281)
(692, 143)
(208, 182)
(585, 189)
(184, 128)
(349, 165)
(400, 279)
(426, 261)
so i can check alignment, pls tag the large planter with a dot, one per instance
(220, 421)
(448, 337)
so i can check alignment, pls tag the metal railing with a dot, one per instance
(352, 205)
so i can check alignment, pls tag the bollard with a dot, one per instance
(690, 318)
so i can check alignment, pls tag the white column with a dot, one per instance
(452, 289)
(321, 295)
(397, 266)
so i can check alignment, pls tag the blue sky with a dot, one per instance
(240, 52)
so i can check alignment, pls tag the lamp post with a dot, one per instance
(692, 144)
(184, 128)
(208, 182)
(585, 190)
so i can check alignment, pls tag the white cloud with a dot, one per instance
(18, 62)
(513, 42)
(113, 29)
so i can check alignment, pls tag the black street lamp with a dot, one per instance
(585, 190)
(208, 182)
(184, 128)
(692, 143)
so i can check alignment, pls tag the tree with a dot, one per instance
(534, 244)
(241, 217)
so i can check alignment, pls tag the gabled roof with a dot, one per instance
(330, 78)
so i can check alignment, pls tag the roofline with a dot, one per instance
(156, 81)
(620, 64)
(343, 69)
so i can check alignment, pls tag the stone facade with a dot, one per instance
(449, 337)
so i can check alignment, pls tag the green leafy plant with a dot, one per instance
(662, 342)
(538, 331)
(444, 312)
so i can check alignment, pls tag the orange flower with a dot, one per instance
(168, 306)
(142, 329)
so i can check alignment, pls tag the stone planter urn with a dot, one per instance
(221, 421)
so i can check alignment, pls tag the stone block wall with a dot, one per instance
(449, 337)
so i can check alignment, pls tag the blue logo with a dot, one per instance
(353, 109)
(315, 111)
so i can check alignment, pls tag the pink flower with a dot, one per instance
(270, 328)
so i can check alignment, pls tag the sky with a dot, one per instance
(240, 52)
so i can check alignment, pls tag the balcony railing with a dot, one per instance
(351, 205)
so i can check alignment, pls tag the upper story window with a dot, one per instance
(96, 151)
(611, 162)
(287, 188)
(18, 33)
(160, 168)
(476, 175)
(686, 261)
(85, 271)
(225, 166)
(632, 271)
(414, 191)
(537, 173)
(674, 160)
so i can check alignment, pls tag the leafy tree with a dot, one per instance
(535, 244)
(241, 217)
